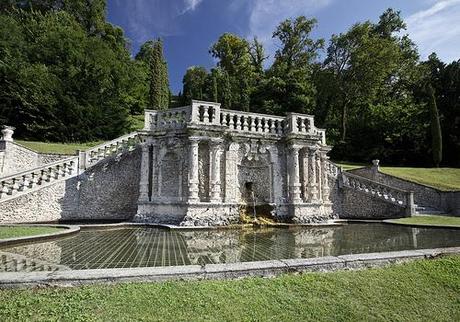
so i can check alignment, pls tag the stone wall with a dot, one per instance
(358, 205)
(107, 191)
(17, 158)
(448, 201)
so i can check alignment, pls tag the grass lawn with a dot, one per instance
(59, 148)
(10, 232)
(425, 290)
(440, 178)
(430, 220)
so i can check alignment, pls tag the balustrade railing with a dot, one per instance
(119, 145)
(208, 113)
(332, 169)
(24, 182)
(379, 190)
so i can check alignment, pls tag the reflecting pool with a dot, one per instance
(147, 247)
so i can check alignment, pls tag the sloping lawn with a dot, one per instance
(59, 148)
(440, 178)
(11, 232)
(429, 220)
(426, 290)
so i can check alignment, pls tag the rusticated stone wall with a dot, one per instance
(107, 191)
(16, 158)
(358, 205)
(448, 201)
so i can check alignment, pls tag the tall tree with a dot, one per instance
(289, 87)
(151, 53)
(436, 136)
(194, 84)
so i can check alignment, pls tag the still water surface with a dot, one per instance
(147, 247)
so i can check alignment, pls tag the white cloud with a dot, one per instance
(155, 18)
(437, 29)
(265, 15)
(191, 5)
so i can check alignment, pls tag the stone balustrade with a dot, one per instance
(210, 114)
(119, 145)
(390, 194)
(332, 169)
(30, 180)
(252, 122)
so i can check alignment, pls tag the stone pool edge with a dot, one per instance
(68, 230)
(268, 268)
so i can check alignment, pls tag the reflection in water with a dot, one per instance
(145, 247)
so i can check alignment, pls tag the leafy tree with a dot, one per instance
(194, 84)
(289, 87)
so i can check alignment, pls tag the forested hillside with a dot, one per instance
(67, 75)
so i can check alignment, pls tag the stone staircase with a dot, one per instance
(28, 181)
(427, 210)
(398, 197)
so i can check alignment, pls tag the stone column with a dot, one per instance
(193, 171)
(214, 171)
(313, 185)
(277, 179)
(144, 180)
(326, 190)
(319, 176)
(294, 181)
(231, 172)
(305, 175)
(155, 171)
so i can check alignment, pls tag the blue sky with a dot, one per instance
(189, 27)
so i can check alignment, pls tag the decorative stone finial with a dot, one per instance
(375, 163)
(7, 133)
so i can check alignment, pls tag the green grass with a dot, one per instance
(429, 220)
(426, 290)
(11, 232)
(350, 165)
(59, 148)
(440, 178)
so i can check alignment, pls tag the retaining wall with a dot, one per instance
(448, 201)
(107, 191)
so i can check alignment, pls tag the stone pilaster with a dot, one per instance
(144, 180)
(294, 181)
(319, 176)
(277, 181)
(214, 171)
(155, 171)
(313, 183)
(305, 175)
(193, 171)
(325, 186)
(231, 172)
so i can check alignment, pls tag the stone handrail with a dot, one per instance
(211, 114)
(119, 145)
(252, 122)
(386, 193)
(31, 180)
(332, 169)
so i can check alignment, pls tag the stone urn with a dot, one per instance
(7, 133)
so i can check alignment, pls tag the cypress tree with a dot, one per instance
(159, 83)
(436, 135)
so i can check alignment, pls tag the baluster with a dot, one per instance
(13, 186)
(238, 122)
(245, 123)
(231, 122)
(302, 125)
(251, 124)
(22, 183)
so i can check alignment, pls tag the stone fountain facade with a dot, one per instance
(201, 165)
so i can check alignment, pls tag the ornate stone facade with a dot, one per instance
(201, 164)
